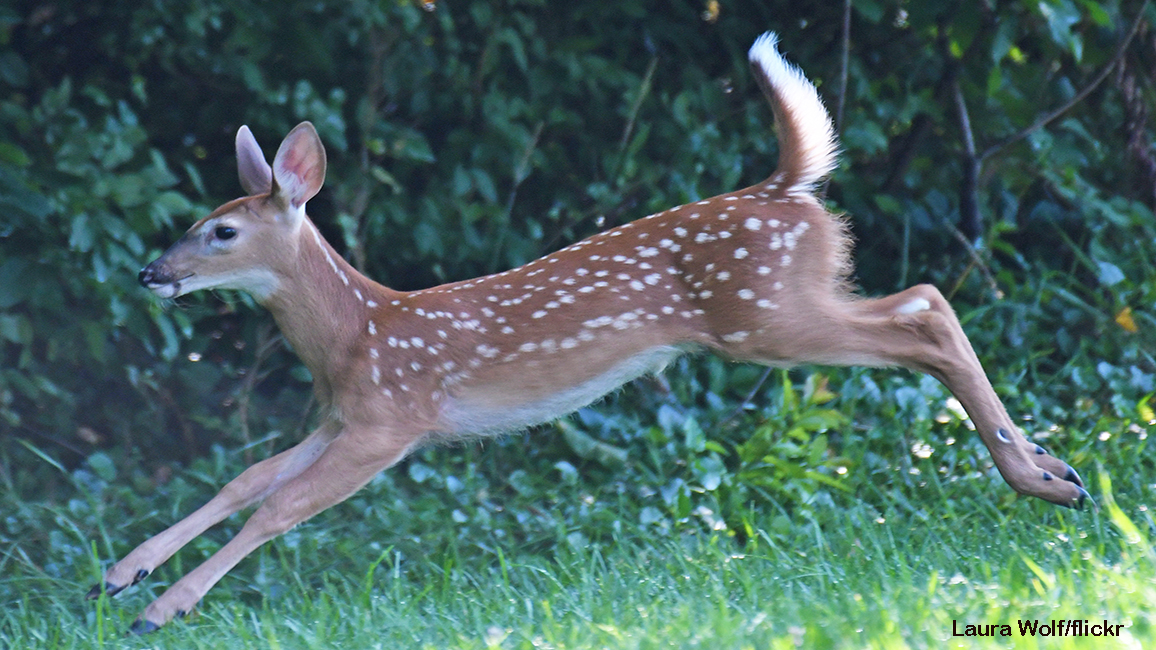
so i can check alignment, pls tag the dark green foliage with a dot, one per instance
(477, 136)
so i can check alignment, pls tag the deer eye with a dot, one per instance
(224, 232)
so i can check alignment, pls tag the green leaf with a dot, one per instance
(709, 471)
(818, 451)
(13, 69)
(102, 466)
(888, 204)
(16, 328)
(1094, 9)
(14, 282)
(514, 41)
(871, 10)
(1110, 274)
(385, 178)
(13, 155)
(589, 448)
(172, 343)
(1003, 41)
(82, 236)
(485, 185)
(1061, 16)
(15, 196)
(693, 436)
(42, 455)
(409, 144)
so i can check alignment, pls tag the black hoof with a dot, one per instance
(142, 626)
(103, 587)
(1048, 476)
(1072, 477)
(1041, 451)
(1084, 496)
(112, 589)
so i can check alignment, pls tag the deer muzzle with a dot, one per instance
(159, 279)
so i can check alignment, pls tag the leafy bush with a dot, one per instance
(477, 136)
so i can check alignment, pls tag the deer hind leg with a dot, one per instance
(248, 488)
(917, 329)
(346, 464)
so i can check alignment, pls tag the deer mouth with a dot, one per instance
(171, 290)
(160, 282)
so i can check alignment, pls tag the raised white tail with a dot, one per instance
(755, 275)
(806, 135)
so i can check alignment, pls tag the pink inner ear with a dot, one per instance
(299, 166)
(293, 179)
(255, 174)
(292, 163)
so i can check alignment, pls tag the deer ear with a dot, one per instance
(256, 175)
(299, 167)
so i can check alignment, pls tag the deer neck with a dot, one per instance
(321, 306)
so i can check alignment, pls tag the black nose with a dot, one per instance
(147, 276)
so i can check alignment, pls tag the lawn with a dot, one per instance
(522, 543)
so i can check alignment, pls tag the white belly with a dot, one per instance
(470, 412)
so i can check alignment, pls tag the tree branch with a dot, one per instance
(1103, 74)
(521, 171)
(844, 65)
(969, 218)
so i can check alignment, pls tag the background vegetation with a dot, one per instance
(466, 138)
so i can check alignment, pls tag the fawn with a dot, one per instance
(755, 275)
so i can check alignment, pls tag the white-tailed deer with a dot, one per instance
(755, 275)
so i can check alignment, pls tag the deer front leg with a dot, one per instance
(348, 463)
(248, 488)
(918, 329)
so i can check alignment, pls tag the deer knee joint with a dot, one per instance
(913, 306)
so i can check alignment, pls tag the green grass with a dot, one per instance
(879, 523)
(392, 569)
